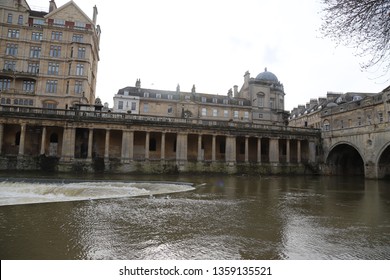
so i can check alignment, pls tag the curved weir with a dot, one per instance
(25, 192)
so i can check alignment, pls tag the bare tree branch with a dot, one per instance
(362, 24)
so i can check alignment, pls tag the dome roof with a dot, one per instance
(267, 76)
(98, 101)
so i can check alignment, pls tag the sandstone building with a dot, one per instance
(355, 131)
(260, 100)
(47, 59)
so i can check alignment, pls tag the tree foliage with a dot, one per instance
(362, 24)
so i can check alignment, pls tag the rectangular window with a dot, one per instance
(260, 101)
(79, 69)
(226, 113)
(13, 33)
(215, 113)
(146, 108)
(77, 38)
(204, 99)
(226, 101)
(10, 65)
(170, 110)
(53, 68)
(170, 96)
(49, 105)
(51, 86)
(20, 20)
(133, 106)
(120, 105)
(56, 35)
(241, 103)
(37, 21)
(59, 22)
(55, 51)
(81, 53)
(78, 87)
(158, 96)
(272, 103)
(12, 49)
(204, 112)
(9, 19)
(215, 100)
(235, 114)
(29, 86)
(79, 25)
(380, 116)
(35, 52)
(5, 84)
(33, 68)
(260, 116)
(246, 115)
(36, 36)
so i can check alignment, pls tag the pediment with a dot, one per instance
(71, 12)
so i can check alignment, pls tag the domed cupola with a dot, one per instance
(267, 76)
(98, 101)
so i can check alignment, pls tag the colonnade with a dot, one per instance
(149, 144)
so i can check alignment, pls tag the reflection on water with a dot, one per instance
(223, 218)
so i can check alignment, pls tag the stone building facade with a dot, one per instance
(47, 59)
(355, 132)
(260, 100)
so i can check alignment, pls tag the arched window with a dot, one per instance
(326, 126)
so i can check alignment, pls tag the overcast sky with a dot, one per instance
(212, 43)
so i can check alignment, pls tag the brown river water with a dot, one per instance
(193, 217)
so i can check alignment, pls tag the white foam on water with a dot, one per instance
(12, 193)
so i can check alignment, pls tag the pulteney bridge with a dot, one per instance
(362, 150)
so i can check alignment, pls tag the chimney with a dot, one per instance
(235, 90)
(138, 83)
(95, 13)
(52, 6)
(246, 77)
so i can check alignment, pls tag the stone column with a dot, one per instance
(22, 139)
(274, 150)
(288, 150)
(200, 147)
(90, 143)
(259, 150)
(299, 156)
(125, 152)
(163, 145)
(312, 151)
(1, 137)
(181, 146)
(68, 144)
(43, 141)
(147, 142)
(107, 145)
(246, 149)
(231, 150)
(131, 145)
(213, 148)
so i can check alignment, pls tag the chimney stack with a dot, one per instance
(235, 90)
(52, 6)
(95, 13)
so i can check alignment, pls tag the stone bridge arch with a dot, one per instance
(344, 158)
(383, 162)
